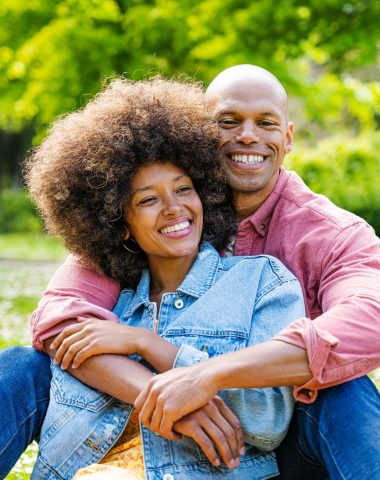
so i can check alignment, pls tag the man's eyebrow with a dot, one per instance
(270, 114)
(150, 187)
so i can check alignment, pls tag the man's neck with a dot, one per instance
(247, 203)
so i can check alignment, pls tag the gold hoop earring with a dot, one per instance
(124, 243)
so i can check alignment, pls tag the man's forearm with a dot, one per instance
(270, 364)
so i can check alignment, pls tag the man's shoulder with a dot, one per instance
(310, 208)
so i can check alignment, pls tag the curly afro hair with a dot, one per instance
(80, 176)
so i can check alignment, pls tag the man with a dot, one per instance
(335, 256)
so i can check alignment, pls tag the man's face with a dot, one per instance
(254, 133)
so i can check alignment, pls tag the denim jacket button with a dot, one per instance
(178, 305)
(168, 476)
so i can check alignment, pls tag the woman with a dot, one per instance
(131, 184)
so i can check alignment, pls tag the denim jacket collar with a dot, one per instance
(199, 279)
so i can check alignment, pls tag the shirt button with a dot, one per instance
(262, 226)
(178, 305)
(310, 393)
(168, 476)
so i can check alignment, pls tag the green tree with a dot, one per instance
(53, 54)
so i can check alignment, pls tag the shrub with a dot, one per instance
(17, 214)
(347, 170)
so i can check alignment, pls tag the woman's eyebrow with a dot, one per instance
(149, 187)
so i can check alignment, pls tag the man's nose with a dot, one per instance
(247, 133)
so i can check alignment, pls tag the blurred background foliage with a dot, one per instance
(54, 55)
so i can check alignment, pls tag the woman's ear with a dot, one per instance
(127, 234)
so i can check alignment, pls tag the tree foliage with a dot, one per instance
(53, 54)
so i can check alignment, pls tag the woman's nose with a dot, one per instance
(172, 206)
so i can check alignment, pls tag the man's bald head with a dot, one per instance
(246, 79)
(251, 108)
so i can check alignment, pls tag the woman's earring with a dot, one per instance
(134, 244)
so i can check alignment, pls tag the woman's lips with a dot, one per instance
(178, 230)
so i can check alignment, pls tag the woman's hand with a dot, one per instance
(90, 336)
(215, 428)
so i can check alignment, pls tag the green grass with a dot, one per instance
(30, 246)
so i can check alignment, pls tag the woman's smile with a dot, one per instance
(178, 229)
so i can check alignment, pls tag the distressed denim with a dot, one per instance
(223, 305)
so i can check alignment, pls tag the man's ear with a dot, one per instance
(289, 137)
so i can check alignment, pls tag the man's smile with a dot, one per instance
(248, 159)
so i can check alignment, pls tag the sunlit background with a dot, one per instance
(54, 56)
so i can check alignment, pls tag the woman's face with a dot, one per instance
(165, 214)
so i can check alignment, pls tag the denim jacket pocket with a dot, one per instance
(67, 390)
(213, 342)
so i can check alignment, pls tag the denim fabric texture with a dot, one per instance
(24, 397)
(332, 438)
(223, 305)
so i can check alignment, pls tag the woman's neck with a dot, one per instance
(167, 274)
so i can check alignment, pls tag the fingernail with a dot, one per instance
(52, 345)
(231, 464)
(242, 451)
(217, 463)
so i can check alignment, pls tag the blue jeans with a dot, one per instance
(24, 398)
(336, 437)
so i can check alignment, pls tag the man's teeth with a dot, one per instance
(176, 228)
(249, 159)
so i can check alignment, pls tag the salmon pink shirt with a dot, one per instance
(334, 254)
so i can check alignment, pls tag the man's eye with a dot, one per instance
(267, 123)
(227, 122)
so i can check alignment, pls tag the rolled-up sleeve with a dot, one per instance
(343, 342)
(75, 290)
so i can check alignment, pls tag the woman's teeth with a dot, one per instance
(176, 228)
(249, 159)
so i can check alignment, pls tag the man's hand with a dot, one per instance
(214, 428)
(89, 337)
(172, 395)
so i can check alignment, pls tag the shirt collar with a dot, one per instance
(199, 279)
(260, 218)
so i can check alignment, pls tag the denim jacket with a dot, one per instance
(223, 305)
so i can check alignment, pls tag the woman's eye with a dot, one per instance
(146, 201)
(185, 189)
